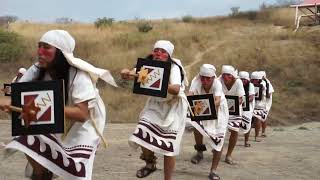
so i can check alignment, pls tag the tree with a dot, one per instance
(234, 10)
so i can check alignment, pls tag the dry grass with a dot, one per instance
(264, 43)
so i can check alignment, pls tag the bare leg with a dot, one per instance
(198, 137)
(146, 152)
(216, 155)
(169, 165)
(199, 147)
(246, 139)
(257, 129)
(38, 170)
(150, 159)
(264, 126)
(232, 143)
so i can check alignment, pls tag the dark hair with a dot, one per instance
(61, 68)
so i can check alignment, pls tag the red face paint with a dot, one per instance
(46, 54)
(160, 54)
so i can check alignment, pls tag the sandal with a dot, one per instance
(228, 160)
(146, 171)
(197, 158)
(247, 145)
(213, 176)
(263, 135)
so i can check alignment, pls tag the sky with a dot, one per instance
(90, 10)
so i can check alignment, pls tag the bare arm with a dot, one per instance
(126, 74)
(5, 102)
(217, 100)
(240, 100)
(174, 89)
(251, 98)
(78, 112)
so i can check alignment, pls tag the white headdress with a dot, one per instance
(244, 75)
(64, 41)
(207, 70)
(228, 69)
(256, 75)
(166, 45)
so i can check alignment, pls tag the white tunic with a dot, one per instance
(70, 157)
(247, 115)
(260, 109)
(269, 100)
(213, 131)
(236, 90)
(161, 122)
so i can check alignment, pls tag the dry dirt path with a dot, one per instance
(287, 153)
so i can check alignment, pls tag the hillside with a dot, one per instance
(250, 41)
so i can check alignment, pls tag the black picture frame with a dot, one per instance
(258, 88)
(233, 105)
(246, 103)
(7, 89)
(209, 111)
(158, 78)
(49, 97)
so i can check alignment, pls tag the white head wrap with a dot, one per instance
(263, 73)
(22, 70)
(244, 75)
(166, 45)
(228, 69)
(64, 41)
(256, 75)
(207, 70)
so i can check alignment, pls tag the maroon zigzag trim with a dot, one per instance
(70, 149)
(147, 139)
(48, 155)
(233, 124)
(216, 140)
(159, 128)
(156, 132)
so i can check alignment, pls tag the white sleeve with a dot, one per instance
(271, 90)
(240, 90)
(251, 89)
(82, 88)
(217, 88)
(175, 75)
(31, 74)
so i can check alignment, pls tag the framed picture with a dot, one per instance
(258, 92)
(48, 98)
(203, 107)
(246, 103)
(7, 89)
(155, 79)
(233, 105)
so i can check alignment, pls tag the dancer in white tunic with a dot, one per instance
(232, 85)
(260, 110)
(247, 114)
(214, 131)
(269, 92)
(70, 155)
(162, 121)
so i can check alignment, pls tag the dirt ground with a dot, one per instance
(287, 153)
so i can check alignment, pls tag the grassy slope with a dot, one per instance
(260, 43)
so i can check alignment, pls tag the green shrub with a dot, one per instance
(144, 26)
(103, 22)
(187, 19)
(11, 46)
